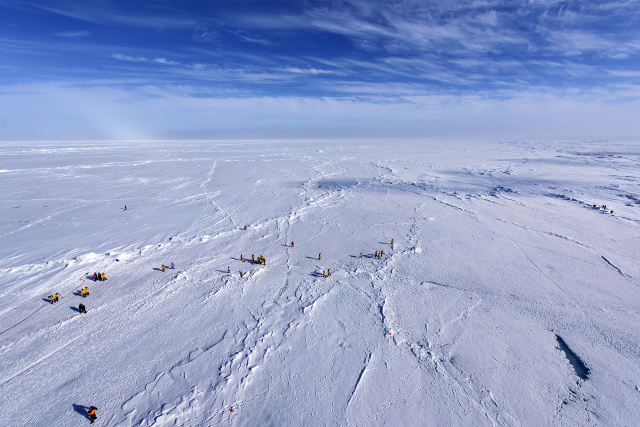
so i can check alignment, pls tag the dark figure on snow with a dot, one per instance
(92, 414)
(292, 243)
(228, 270)
(125, 207)
(82, 308)
(95, 277)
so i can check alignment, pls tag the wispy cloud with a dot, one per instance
(73, 34)
(144, 59)
(129, 58)
(312, 71)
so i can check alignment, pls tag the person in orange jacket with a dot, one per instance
(92, 414)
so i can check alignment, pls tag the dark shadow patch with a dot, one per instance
(635, 200)
(561, 197)
(76, 309)
(338, 184)
(578, 365)
(496, 191)
(82, 410)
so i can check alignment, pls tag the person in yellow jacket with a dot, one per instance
(162, 267)
(104, 276)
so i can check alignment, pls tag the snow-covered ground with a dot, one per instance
(497, 251)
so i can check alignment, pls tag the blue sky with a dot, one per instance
(244, 68)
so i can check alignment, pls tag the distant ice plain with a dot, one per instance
(496, 244)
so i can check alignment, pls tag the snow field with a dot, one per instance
(495, 245)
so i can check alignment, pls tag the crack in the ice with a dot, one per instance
(360, 376)
(612, 265)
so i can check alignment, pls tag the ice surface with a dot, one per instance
(497, 248)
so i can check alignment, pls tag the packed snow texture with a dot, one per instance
(499, 256)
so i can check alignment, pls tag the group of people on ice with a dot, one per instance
(170, 266)
(260, 260)
(603, 208)
(99, 276)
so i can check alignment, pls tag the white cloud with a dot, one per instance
(73, 34)
(314, 71)
(130, 58)
(165, 61)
